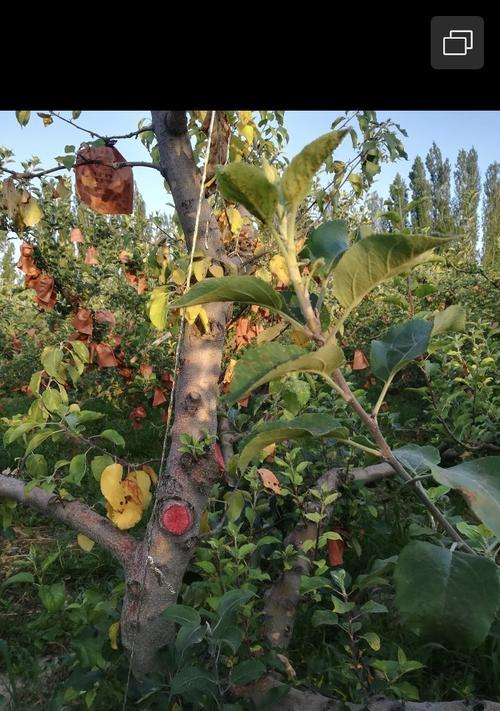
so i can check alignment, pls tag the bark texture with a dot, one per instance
(298, 700)
(161, 560)
(282, 598)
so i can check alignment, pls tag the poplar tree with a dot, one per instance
(491, 218)
(467, 192)
(439, 173)
(420, 191)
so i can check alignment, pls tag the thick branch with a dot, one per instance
(74, 514)
(298, 700)
(282, 598)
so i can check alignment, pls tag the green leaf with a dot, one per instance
(372, 639)
(356, 181)
(51, 399)
(273, 360)
(247, 184)
(235, 504)
(244, 289)
(182, 615)
(36, 464)
(328, 241)
(317, 425)
(479, 482)
(476, 479)
(375, 259)
(158, 307)
(113, 436)
(67, 161)
(88, 416)
(81, 351)
(451, 319)
(191, 683)
(77, 468)
(231, 601)
(52, 596)
(51, 360)
(425, 290)
(399, 346)
(23, 117)
(35, 380)
(324, 617)
(17, 578)
(37, 440)
(13, 433)
(296, 181)
(313, 582)
(99, 463)
(452, 597)
(247, 671)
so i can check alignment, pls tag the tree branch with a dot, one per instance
(298, 700)
(74, 514)
(27, 175)
(282, 598)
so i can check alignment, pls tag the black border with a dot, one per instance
(314, 58)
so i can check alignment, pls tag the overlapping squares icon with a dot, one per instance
(458, 43)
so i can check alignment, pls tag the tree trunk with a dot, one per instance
(155, 575)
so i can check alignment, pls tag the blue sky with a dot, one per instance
(451, 130)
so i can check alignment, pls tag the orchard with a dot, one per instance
(250, 450)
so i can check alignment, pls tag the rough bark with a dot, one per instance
(161, 561)
(74, 514)
(282, 598)
(298, 700)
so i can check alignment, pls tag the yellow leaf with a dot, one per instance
(200, 268)
(216, 270)
(178, 277)
(235, 220)
(264, 274)
(247, 132)
(31, 213)
(111, 486)
(127, 517)
(204, 319)
(85, 543)
(192, 314)
(245, 116)
(152, 474)
(268, 451)
(204, 527)
(113, 634)
(144, 483)
(278, 267)
(299, 338)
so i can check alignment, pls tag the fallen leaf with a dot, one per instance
(269, 480)
(336, 552)
(85, 543)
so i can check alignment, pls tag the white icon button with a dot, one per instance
(458, 43)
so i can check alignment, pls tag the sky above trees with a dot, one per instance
(452, 131)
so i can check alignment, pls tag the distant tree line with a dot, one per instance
(433, 209)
